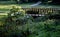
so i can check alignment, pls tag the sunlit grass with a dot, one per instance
(7, 7)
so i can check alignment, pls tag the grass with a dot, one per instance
(4, 8)
(8, 7)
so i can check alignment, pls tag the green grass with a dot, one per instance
(5, 8)
(7, 2)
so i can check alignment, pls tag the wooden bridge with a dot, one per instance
(40, 11)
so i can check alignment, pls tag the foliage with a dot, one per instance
(44, 29)
(21, 25)
(10, 28)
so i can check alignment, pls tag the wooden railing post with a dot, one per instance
(42, 11)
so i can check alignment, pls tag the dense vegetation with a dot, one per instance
(17, 24)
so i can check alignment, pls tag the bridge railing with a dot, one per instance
(43, 11)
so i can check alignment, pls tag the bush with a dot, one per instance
(28, 27)
(44, 29)
(10, 28)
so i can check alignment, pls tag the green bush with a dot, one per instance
(42, 27)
